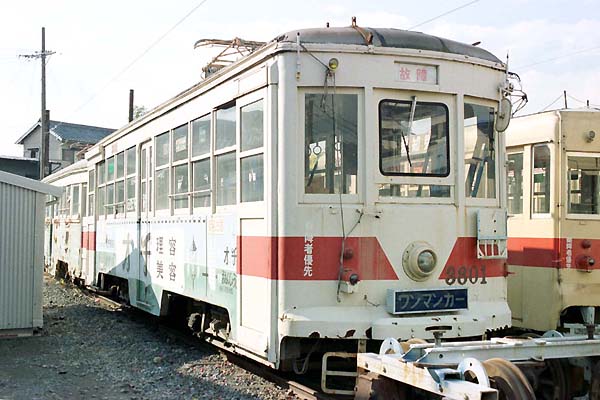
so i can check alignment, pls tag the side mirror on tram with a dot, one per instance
(503, 115)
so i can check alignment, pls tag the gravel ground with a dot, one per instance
(87, 350)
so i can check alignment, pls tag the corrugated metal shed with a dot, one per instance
(22, 204)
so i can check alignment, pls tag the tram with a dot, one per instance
(67, 242)
(554, 220)
(336, 187)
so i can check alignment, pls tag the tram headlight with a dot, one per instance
(333, 64)
(426, 261)
(419, 260)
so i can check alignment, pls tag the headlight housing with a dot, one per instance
(419, 260)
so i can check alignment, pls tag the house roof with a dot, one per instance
(30, 184)
(66, 131)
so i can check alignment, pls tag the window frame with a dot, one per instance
(379, 142)
(522, 152)
(167, 211)
(223, 151)
(173, 197)
(551, 149)
(91, 201)
(326, 198)
(499, 157)
(127, 177)
(568, 215)
(451, 101)
(241, 104)
(198, 158)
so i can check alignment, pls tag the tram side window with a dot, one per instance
(92, 190)
(100, 191)
(162, 171)
(226, 162)
(480, 151)
(120, 183)
(226, 120)
(251, 164)
(180, 168)
(201, 161)
(541, 180)
(201, 136)
(109, 203)
(84, 200)
(226, 192)
(515, 183)
(75, 200)
(130, 179)
(331, 136)
(101, 173)
(101, 199)
(584, 185)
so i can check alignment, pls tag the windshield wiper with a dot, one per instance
(410, 122)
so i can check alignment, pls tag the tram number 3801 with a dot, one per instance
(462, 275)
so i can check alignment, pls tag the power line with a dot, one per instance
(443, 15)
(581, 101)
(139, 57)
(551, 104)
(558, 57)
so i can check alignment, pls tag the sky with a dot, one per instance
(104, 49)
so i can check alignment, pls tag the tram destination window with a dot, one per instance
(541, 180)
(419, 147)
(515, 183)
(331, 135)
(480, 151)
(584, 185)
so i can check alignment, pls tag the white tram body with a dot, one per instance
(338, 183)
(66, 238)
(554, 223)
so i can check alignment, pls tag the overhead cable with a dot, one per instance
(442, 15)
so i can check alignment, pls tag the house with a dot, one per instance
(66, 140)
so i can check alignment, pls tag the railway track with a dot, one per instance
(304, 391)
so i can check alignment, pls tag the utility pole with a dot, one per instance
(44, 160)
(45, 145)
(565, 96)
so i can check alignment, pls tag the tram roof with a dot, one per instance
(386, 37)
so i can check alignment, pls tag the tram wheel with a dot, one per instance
(595, 383)
(550, 382)
(508, 380)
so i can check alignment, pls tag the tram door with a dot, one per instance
(145, 207)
